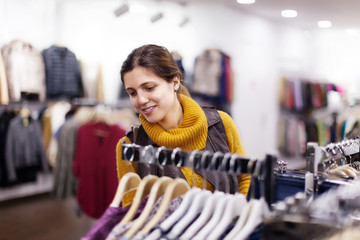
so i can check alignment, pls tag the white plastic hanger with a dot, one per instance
(177, 188)
(207, 212)
(258, 211)
(233, 209)
(129, 182)
(195, 208)
(176, 215)
(214, 220)
(255, 210)
(157, 190)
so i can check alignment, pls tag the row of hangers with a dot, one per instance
(340, 159)
(202, 214)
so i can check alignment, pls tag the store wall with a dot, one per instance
(261, 51)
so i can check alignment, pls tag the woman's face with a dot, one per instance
(153, 97)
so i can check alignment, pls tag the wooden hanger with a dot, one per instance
(129, 182)
(177, 188)
(157, 190)
(142, 191)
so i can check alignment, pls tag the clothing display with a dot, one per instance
(4, 94)
(62, 71)
(24, 148)
(94, 166)
(24, 68)
(212, 78)
(91, 73)
(210, 213)
(110, 218)
(5, 119)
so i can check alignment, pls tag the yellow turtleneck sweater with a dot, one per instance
(190, 135)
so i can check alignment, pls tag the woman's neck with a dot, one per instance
(174, 117)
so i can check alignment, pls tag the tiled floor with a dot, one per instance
(42, 218)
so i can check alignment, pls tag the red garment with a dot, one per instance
(95, 166)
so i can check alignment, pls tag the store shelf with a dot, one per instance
(43, 184)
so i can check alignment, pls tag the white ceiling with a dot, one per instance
(343, 14)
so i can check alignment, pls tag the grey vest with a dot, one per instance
(216, 142)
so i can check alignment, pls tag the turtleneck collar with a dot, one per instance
(191, 134)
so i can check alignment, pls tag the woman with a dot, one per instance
(168, 115)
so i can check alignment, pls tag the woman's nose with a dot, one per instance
(142, 99)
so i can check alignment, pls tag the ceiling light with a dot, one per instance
(288, 13)
(121, 10)
(157, 17)
(184, 21)
(246, 1)
(324, 24)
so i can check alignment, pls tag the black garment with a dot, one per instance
(216, 142)
(5, 119)
(62, 73)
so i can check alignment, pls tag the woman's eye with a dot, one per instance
(150, 88)
(132, 93)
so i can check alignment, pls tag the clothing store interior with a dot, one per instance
(286, 72)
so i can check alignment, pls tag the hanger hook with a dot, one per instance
(204, 164)
(192, 165)
(174, 154)
(235, 168)
(225, 168)
(148, 158)
(158, 155)
(214, 166)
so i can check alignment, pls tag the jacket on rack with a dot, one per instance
(62, 71)
(5, 119)
(95, 166)
(190, 135)
(24, 147)
(4, 94)
(24, 67)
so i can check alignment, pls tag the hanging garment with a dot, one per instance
(4, 93)
(95, 166)
(91, 74)
(5, 119)
(63, 76)
(24, 67)
(109, 220)
(24, 147)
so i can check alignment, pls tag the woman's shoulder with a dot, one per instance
(226, 118)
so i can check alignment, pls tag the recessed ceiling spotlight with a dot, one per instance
(246, 1)
(289, 13)
(324, 24)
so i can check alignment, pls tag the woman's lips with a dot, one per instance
(148, 110)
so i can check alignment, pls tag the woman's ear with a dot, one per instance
(176, 83)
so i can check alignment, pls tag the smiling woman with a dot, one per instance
(169, 116)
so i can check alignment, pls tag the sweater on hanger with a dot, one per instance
(190, 135)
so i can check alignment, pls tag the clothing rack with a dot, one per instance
(204, 160)
(318, 158)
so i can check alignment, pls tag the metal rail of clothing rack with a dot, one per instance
(203, 160)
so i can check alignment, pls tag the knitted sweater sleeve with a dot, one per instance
(123, 166)
(235, 146)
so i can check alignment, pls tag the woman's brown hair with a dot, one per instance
(156, 59)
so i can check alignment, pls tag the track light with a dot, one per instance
(121, 10)
(157, 17)
(184, 21)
